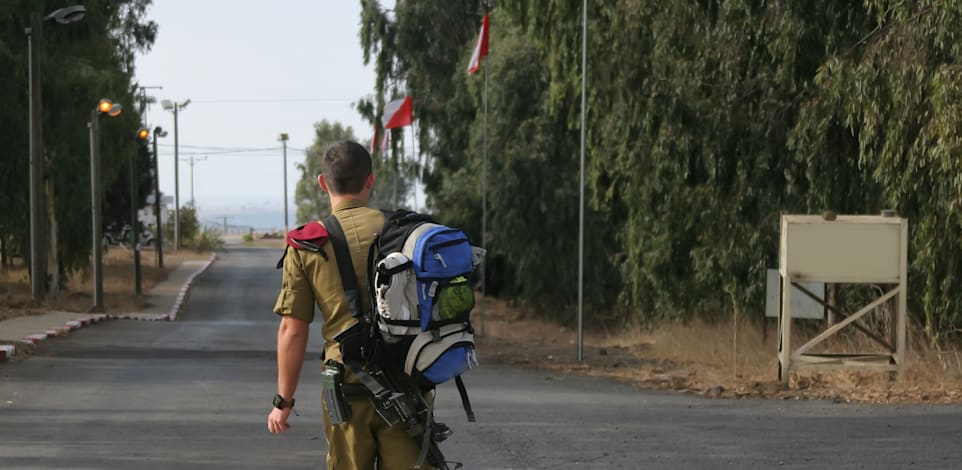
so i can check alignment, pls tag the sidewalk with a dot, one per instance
(163, 304)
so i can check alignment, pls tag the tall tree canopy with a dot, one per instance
(81, 63)
(706, 120)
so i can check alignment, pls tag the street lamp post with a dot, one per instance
(111, 109)
(159, 236)
(142, 135)
(175, 108)
(34, 34)
(283, 138)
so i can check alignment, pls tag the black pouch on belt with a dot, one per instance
(332, 385)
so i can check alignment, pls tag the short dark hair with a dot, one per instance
(346, 167)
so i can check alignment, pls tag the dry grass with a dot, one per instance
(710, 359)
(76, 294)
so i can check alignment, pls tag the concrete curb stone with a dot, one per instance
(175, 309)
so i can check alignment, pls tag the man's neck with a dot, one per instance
(338, 199)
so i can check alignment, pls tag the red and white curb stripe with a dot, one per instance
(65, 328)
(175, 309)
(7, 351)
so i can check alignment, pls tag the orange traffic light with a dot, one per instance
(143, 133)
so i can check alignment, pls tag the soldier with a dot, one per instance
(311, 277)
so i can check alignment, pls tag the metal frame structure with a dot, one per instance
(844, 249)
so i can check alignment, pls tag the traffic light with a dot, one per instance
(143, 133)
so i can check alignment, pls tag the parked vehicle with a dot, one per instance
(123, 237)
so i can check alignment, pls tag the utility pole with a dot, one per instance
(175, 108)
(143, 99)
(226, 227)
(283, 138)
(38, 274)
(193, 161)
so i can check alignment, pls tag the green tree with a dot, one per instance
(311, 201)
(706, 121)
(891, 94)
(82, 63)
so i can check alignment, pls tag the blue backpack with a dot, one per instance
(422, 295)
(420, 287)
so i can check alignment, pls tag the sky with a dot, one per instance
(252, 70)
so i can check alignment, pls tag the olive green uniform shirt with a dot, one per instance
(311, 279)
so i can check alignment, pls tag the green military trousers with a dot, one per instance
(366, 442)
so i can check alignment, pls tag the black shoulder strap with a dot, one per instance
(344, 264)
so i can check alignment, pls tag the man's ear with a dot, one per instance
(322, 183)
(369, 182)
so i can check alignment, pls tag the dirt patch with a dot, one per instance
(708, 360)
(76, 294)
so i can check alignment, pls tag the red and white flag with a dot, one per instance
(397, 113)
(481, 49)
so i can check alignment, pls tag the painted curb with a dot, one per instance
(175, 309)
(65, 328)
(7, 351)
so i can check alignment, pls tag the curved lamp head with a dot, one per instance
(143, 133)
(160, 132)
(105, 106)
(170, 105)
(67, 15)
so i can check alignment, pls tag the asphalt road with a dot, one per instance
(195, 393)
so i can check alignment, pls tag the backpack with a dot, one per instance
(421, 297)
(421, 292)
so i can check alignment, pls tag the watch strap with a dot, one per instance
(281, 403)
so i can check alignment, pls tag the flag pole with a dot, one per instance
(400, 164)
(581, 198)
(414, 161)
(484, 189)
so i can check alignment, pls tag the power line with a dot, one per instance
(274, 100)
(238, 149)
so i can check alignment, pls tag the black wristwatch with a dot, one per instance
(280, 403)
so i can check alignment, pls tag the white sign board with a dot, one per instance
(847, 249)
(803, 306)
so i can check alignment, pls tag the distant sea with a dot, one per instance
(263, 214)
(243, 219)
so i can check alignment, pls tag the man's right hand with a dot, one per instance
(277, 420)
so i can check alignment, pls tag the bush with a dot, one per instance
(248, 238)
(207, 240)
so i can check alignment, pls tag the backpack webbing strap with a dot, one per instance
(465, 402)
(344, 264)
